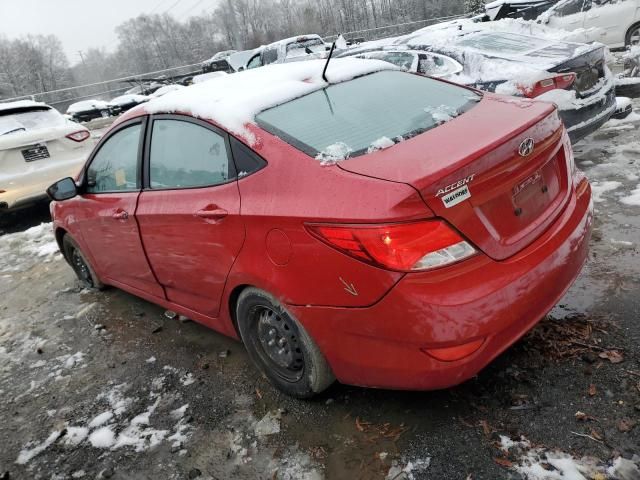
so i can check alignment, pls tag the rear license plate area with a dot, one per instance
(37, 152)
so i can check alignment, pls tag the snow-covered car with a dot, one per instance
(38, 145)
(524, 9)
(302, 47)
(616, 23)
(88, 110)
(166, 89)
(219, 62)
(572, 75)
(126, 102)
(144, 88)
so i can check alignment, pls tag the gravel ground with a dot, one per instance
(104, 385)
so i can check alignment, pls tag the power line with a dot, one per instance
(189, 10)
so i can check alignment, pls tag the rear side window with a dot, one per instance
(115, 167)
(245, 159)
(354, 116)
(187, 155)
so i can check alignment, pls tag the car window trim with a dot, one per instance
(143, 122)
(265, 163)
(146, 161)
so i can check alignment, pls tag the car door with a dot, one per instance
(613, 17)
(568, 15)
(106, 210)
(189, 211)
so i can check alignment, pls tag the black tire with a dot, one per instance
(293, 363)
(632, 35)
(80, 264)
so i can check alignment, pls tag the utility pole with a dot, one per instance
(82, 58)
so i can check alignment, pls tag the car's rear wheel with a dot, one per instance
(279, 345)
(80, 265)
(633, 35)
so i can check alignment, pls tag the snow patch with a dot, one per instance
(381, 144)
(334, 153)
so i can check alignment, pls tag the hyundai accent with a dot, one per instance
(380, 228)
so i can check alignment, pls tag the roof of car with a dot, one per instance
(233, 101)
(22, 104)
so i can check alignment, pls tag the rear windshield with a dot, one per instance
(13, 121)
(356, 116)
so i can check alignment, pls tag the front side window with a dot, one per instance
(255, 62)
(270, 55)
(115, 167)
(571, 7)
(187, 155)
(357, 115)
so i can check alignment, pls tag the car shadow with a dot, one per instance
(25, 218)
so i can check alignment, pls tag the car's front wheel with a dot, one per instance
(633, 35)
(80, 265)
(279, 345)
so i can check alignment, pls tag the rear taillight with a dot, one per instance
(562, 82)
(405, 247)
(79, 136)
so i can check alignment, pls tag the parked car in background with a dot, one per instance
(420, 227)
(37, 146)
(524, 9)
(88, 110)
(166, 89)
(484, 56)
(616, 23)
(146, 88)
(302, 47)
(125, 102)
(219, 62)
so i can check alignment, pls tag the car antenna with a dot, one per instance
(340, 42)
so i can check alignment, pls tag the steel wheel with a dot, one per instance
(279, 345)
(80, 267)
(278, 341)
(78, 262)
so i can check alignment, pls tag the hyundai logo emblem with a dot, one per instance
(526, 147)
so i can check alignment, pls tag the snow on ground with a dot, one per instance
(540, 463)
(20, 251)
(123, 421)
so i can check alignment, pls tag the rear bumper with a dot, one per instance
(380, 346)
(586, 119)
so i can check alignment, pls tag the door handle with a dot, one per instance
(212, 212)
(120, 214)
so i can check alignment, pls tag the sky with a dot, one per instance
(83, 24)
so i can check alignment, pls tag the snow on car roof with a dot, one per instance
(233, 101)
(22, 104)
(86, 105)
(128, 98)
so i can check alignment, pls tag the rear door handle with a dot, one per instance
(212, 212)
(120, 214)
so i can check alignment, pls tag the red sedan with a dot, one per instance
(382, 229)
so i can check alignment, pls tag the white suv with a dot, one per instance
(37, 147)
(616, 23)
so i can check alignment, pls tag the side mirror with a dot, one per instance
(63, 189)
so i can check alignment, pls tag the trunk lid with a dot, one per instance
(469, 171)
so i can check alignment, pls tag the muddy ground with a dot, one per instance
(103, 385)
